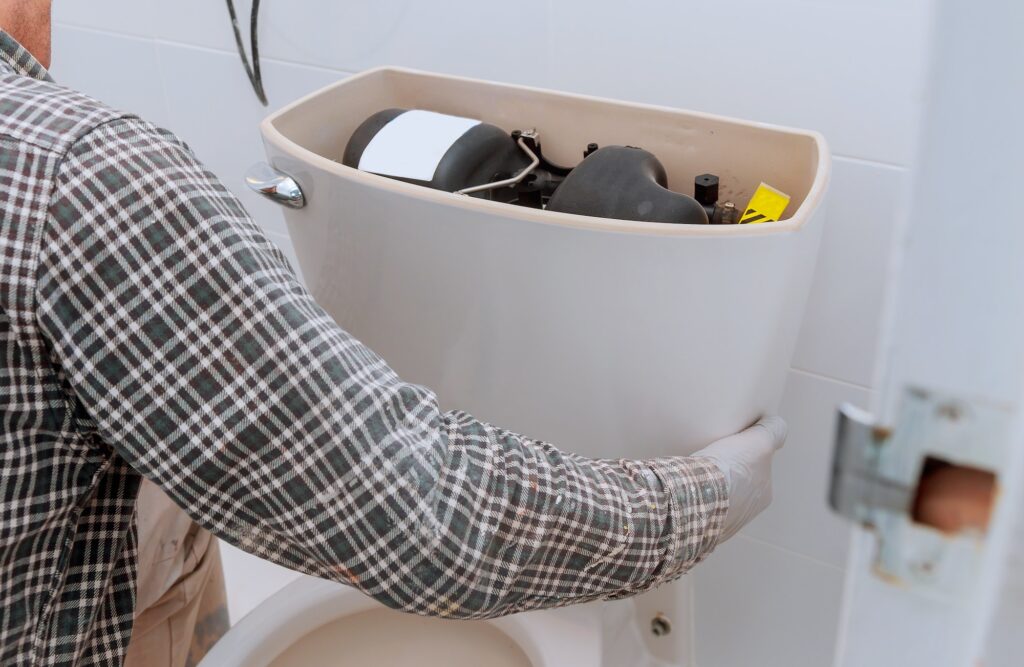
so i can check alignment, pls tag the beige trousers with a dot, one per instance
(181, 607)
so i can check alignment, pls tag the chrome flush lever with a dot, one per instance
(275, 185)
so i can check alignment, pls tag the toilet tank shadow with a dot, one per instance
(609, 338)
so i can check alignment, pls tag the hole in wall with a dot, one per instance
(954, 498)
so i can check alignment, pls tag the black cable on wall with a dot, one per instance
(252, 70)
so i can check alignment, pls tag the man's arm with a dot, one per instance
(195, 353)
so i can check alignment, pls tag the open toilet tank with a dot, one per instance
(607, 338)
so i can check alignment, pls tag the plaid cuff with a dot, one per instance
(698, 496)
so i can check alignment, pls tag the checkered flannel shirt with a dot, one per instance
(148, 327)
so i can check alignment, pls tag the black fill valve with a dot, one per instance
(478, 159)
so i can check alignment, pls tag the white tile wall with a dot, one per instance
(133, 17)
(121, 71)
(466, 37)
(794, 63)
(760, 606)
(844, 319)
(852, 69)
(798, 519)
(811, 67)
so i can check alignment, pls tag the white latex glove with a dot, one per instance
(746, 460)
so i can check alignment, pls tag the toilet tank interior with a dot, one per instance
(687, 143)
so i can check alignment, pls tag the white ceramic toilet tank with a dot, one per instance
(607, 338)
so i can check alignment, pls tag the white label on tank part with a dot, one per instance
(412, 144)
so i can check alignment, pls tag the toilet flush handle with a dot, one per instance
(274, 184)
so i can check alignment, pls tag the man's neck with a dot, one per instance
(28, 22)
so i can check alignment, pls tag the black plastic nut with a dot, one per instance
(705, 189)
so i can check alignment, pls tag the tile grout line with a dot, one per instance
(197, 47)
(791, 552)
(895, 166)
(822, 376)
(104, 31)
(263, 59)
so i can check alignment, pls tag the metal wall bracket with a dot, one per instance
(860, 488)
(876, 470)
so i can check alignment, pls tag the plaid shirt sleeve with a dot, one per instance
(197, 355)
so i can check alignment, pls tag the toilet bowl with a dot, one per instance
(317, 623)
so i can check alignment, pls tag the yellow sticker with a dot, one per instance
(766, 205)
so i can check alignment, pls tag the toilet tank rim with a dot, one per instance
(275, 138)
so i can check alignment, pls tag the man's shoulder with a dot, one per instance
(48, 116)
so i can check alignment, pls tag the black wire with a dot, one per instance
(254, 40)
(251, 70)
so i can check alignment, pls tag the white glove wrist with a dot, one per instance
(746, 461)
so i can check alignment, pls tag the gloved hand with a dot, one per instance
(746, 460)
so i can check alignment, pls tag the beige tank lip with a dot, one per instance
(811, 202)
